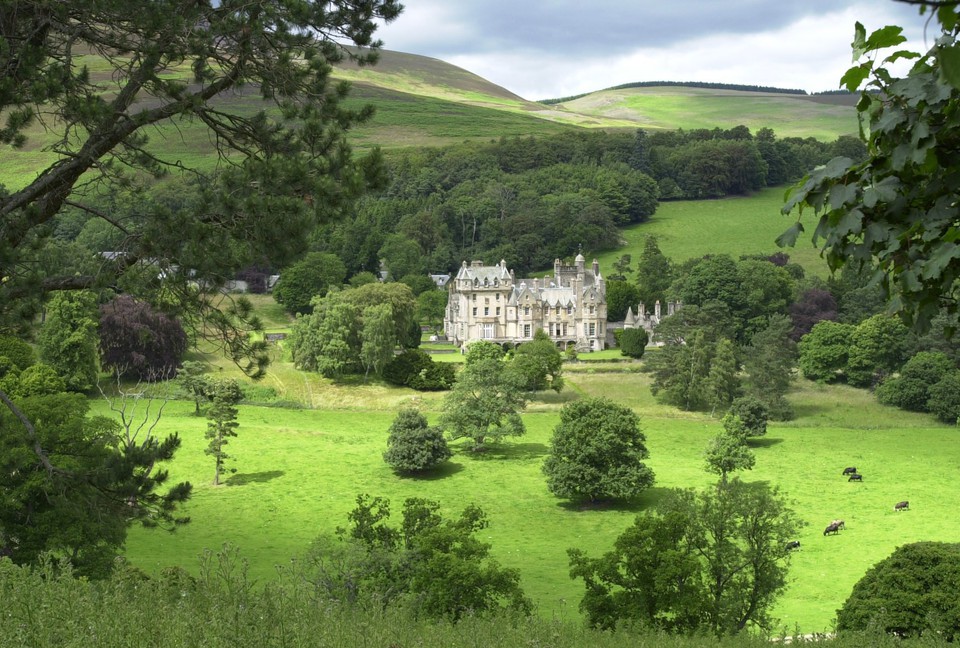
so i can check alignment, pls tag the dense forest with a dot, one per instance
(531, 200)
(526, 200)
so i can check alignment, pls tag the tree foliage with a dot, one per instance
(538, 363)
(597, 452)
(224, 395)
(701, 561)
(896, 210)
(331, 339)
(413, 445)
(438, 564)
(633, 342)
(139, 342)
(486, 400)
(728, 452)
(155, 68)
(909, 593)
(311, 276)
(68, 339)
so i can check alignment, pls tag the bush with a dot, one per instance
(597, 452)
(413, 445)
(633, 342)
(19, 353)
(906, 393)
(944, 401)
(928, 366)
(752, 413)
(911, 592)
(416, 369)
(40, 380)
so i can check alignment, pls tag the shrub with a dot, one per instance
(906, 393)
(752, 413)
(944, 401)
(633, 342)
(912, 591)
(19, 353)
(413, 445)
(416, 369)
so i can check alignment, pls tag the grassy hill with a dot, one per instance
(423, 101)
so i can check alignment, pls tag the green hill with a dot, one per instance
(423, 101)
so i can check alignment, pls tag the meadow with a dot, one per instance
(300, 470)
(689, 229)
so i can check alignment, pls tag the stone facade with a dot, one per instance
(490, 303)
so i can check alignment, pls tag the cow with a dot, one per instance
(793, 544)
(840, 524)
(849, 470)
(855, 477)
(831, 528)
(902, 506)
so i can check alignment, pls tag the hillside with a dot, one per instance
(658, 107)
(422, 101)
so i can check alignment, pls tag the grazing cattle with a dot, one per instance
(839, 523)
(901, 506)
(855, 477)
(831, 528)
(849, 470)
(793, 544)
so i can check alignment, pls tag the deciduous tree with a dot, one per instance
(312, 276)
(68, 339)
(486, 400)
(138, 341)
(413, 445)
(702, 561)
(896, 209)
(908, 594)
(597, 452)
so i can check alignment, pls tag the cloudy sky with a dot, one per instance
(542, 49)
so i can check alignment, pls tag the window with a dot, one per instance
(592, 309)
(486, 331)
(474, 311)
(498, 296)
(526, 310)
(486, 300)
(486, 310)
(498, 310)
(569, 310)
(593, 329)
(526, 330)
(474, 296)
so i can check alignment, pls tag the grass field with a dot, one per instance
(299, 470)
(671, 107)
(735, 226)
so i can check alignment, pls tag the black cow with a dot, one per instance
(849, 470)
(793, 544)
(833, 528)
(901, 506)
(855, 477)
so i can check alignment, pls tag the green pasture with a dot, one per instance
(742, 225)
(670, 107)
(299, 470)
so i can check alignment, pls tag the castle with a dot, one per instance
(489, 303)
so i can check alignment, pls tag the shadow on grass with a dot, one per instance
(642, 502)
(765, 442)
(444, 470)
(506, 451)
(242, 479)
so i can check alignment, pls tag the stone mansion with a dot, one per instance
(490, 303)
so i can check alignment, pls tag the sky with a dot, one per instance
(542, 49)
